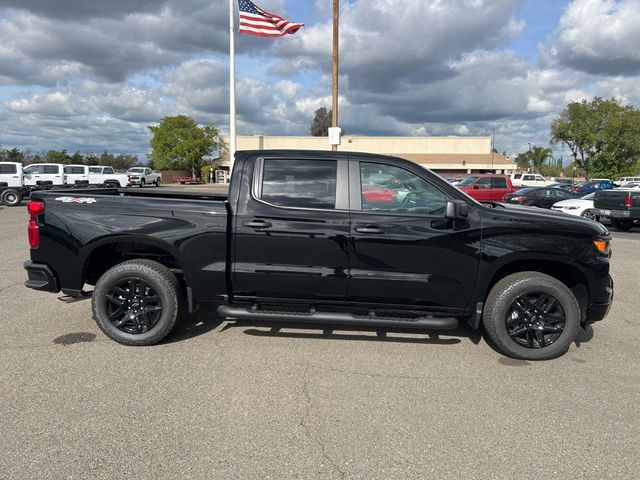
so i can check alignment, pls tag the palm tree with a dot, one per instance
(538, 156)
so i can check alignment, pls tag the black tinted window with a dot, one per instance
(8, 169)
(107, 170)
(95, 169)
(50, 169)
(498, 182)
(387, 188)
(300, 183)
(73, 170)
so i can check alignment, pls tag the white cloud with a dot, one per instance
(598, 36)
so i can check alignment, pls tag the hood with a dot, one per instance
(533, 218)
(574, 202)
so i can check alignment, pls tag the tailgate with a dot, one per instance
(611, 199)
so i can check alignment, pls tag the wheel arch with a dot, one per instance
(108, 252)
(570, 275)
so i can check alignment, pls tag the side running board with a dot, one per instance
(430, 323)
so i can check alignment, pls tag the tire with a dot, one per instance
(142, 182)
(118, 302)
(157, 182)
(589, 214)
(523, 325)
(11, 197)
(623, 225)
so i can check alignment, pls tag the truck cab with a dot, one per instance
(10, 174)
(40, 174)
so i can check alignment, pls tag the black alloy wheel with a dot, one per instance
(535, 320)
(137, 302)
(530, 315)
(133, 306)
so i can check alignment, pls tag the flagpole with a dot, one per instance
(334, 88)
(232, 86)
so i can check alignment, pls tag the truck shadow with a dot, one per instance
(275, 329)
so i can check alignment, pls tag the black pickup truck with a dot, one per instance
(324, 237)
(621, 206)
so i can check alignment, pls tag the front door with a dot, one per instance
(291, 230)
(403, 250)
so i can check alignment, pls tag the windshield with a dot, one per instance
(136, 170)
(467, 181)
(589, 196)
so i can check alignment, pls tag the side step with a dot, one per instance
(430, 323)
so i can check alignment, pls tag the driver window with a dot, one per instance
(387, 188)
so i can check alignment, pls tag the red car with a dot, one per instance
(487, 188)
(378, 194)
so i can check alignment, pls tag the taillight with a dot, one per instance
(519, 198)
(627, 201)
(35, 208)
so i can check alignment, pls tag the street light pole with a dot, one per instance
(334, 89)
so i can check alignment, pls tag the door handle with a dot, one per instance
(257, 224)
(370, 229)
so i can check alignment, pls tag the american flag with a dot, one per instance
(255, 21)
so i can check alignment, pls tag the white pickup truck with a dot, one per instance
(40, 174)
(143, 176)
(94, 175)
(529, 180)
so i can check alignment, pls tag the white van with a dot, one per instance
(10, 174)
(44, 174)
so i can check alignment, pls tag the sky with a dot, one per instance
(89, 75)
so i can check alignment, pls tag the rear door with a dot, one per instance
(291, 229)
(406, 252)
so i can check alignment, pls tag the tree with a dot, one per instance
(54, 156)
(539, 156)
(321, 123)
(523, 161)
(602, 135)
(178, 143)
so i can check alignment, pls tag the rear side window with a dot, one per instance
(107, 170)
(529, 177)
(73, 170)
(8, 169)
(50, 169)
(498, 182)
(300, 183)
(517, 176)
(95, 169)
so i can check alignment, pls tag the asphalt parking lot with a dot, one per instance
(237, 400)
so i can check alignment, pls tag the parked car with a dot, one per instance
(378, 194)
(43, 174)
(143, 176)
(293, 242)
(94, 175)
(592, 186)
(562, 185)
(621, 206)
(543, 197)
(529, 180)
(623, 181)
(487, 187)
(582, 207)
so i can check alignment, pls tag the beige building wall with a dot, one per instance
(451, 155)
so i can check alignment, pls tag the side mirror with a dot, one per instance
(456, 209)
(476, 187)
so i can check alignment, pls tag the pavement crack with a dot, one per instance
(304, 423)
(374, 375)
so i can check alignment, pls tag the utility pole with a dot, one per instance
(334, 92)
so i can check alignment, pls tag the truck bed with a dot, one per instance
(83, 230)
